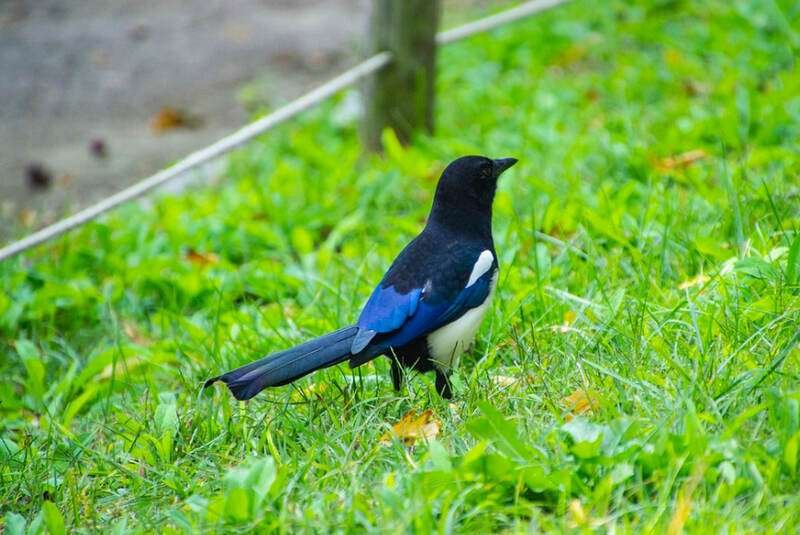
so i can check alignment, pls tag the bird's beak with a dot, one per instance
(501, 164)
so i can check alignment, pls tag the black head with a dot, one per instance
(466, 189)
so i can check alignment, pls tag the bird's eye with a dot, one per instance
(486, 171)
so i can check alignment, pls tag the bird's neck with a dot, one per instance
(467, 221)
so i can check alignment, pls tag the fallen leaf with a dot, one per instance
(683, 504)
(28, 217)
(98, 148)
(699, 280)
(201, 259)
(413, 427)
(694, 88)
(682, 509)
(579, 517)
(507, 343)
(39, 177)
(681, 160)
(569, 319)
(169, 118)
(133, 333)
(581, 401)
(504, 381)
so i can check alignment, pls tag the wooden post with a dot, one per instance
(400, 96)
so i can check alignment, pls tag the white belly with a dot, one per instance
(447, 343)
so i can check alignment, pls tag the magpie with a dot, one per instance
(427, 308)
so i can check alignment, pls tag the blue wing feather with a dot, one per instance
(385, 311)
(405, 317)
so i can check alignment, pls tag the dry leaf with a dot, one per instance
(412, 427)
(28, 217)
(681, 160)
(682, 509)
(133, 333)
(683, 504)
(504, 381)
(169, 118)
(201, 259)
(507, 343)
(581, 401)
(694, 88)
(579, 516)
(699, 280)
(98, 148)
(569, 319)
(39, 177)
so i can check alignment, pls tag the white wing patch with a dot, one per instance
(447, 343)
(482, 265)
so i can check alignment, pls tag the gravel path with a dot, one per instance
(74, 73)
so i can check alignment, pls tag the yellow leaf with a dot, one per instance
(683, 504)
(569, 319)
(28, 217)
(579, 517)
(134, 334)
(201, 259)
(581, 401)
(412, 427)
(699, 280)
(682, 509)
(681, 160)
(168, 118)
(504, 381)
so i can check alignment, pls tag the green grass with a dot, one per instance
(670, 295)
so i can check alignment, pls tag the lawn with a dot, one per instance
(638, 370)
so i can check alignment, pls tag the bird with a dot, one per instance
(426, 310)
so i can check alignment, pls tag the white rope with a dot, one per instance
(491, 22)
(248, 132)
(202, 156)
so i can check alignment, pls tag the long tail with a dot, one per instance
(289, 365)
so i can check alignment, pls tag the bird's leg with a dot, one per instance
(396, 373)
(443, 385)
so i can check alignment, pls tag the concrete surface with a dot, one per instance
(76, 71)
